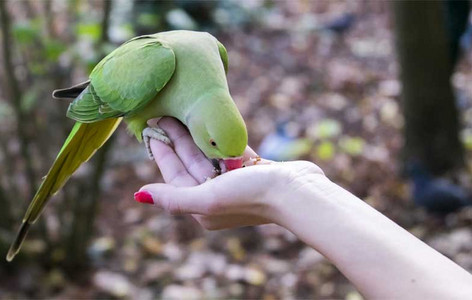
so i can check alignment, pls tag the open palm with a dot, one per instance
(248, 196)
(182, 164)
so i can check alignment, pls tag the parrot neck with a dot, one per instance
(211, 102)
(197, 111)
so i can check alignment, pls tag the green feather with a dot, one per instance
(125, 80)
(181, 74)
(223, 55)
(79, 146)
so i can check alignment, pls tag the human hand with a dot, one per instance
(381, 259)
(248, 196)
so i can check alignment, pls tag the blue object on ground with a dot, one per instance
(466, 39)
(281, 145)
(436, 194)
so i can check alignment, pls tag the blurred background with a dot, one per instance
(379, 94)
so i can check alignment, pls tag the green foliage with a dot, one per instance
(6, 112)
(29, 100)
(90, 30)
(300, 148)
(325, 151)
(466, 137)
(326, 128)
(53, 49)
(352, 145)
(149, 20)
(25, 33)
(38, 68)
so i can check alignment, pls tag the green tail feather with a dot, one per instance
(20, 237)
(83, 141)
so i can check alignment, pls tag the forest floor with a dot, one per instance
(339, 92)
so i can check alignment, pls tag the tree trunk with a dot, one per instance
(16, 96)
(431, 116)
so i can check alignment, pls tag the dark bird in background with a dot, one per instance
(340, 24)
(436, 194)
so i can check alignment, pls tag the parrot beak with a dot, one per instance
(233, 163)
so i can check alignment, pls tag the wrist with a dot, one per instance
(305, 200)
(320, 214)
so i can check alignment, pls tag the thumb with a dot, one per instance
(177, 200)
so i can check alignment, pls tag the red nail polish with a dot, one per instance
(143, 197)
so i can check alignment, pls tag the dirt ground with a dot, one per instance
(339, 91)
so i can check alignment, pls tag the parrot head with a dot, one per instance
(218, 129)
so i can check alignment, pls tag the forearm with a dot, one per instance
(380, 258)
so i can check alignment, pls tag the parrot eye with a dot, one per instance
(212, 142)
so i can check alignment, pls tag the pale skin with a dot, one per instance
(380, 258)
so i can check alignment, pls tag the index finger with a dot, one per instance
(172, 169)
(191, 156)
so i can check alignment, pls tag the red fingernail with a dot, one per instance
(143, 197)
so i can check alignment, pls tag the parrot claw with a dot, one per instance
(157, 134)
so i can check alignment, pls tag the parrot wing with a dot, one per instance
(125, 80)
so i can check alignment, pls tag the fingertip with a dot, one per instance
(257, 160)
(248, 153)
(144, 197)
(169, 123)
(148, 194)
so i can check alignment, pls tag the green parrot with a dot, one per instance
(181, 74)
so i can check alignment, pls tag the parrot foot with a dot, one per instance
(154, 133)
